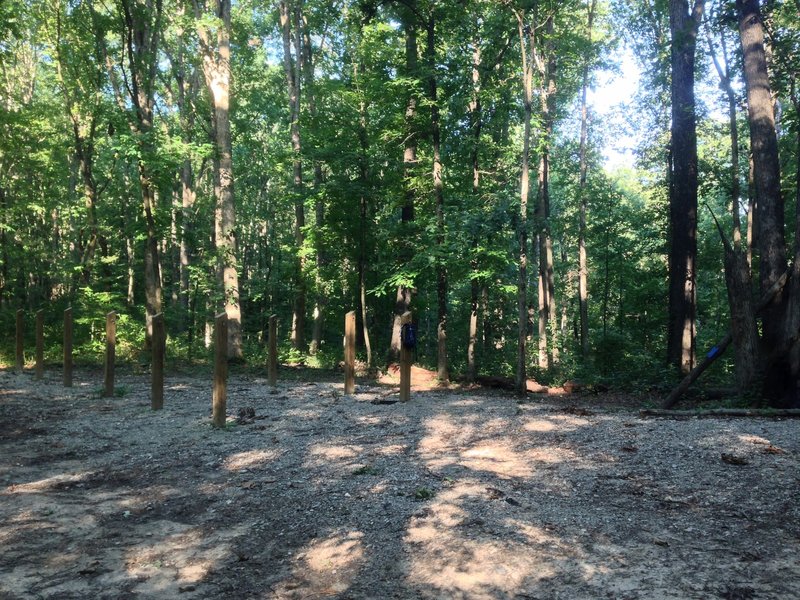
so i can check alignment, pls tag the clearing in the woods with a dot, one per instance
(460, 493)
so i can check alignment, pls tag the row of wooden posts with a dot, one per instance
(220, 386)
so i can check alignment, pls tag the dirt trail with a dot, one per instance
(454, 495)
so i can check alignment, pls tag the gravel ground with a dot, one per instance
(456, 494)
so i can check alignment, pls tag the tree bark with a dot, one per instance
(438, 192)
(583, 269)
(769, 217)
(548, 352)
(319, 204)
(476, 122)
(217, 70)
(404, 293)
(526, 41)
(737, 269)
(684, 23)
(293, 68)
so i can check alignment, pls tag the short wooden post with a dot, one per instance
(405, 363)
(219, 399)
(68, 347)
(350, 353)
(272, 358)
(157, 368)
(20, 363)
(39, 344)
(111, 351)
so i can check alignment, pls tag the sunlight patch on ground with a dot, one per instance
(333, 453)
(250, 459)
(501, 459)
(453, 563)
(178, 555)
(326, 567)
(391, 449)
(43, 485)
(539, 425)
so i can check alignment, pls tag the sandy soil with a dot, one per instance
(457, 494)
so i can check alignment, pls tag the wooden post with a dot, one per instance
(20, 364)
(272, 358)
(111, 350)
(405, 363)
(219, 399)
(157, 368)
(39, 344)
(350, 353)
(68, 347)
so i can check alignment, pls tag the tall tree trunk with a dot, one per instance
(583, 269)
(217, 70)
(187, 204)
(780, 320)
(683, 188)
(404, 293)
(363, 174)
(152, 262)
(319, 204)
(737, 269)
(476, 122)
(769, 233)
(547, 308)
(438, 192)
(4, 222)
(293, 68)
(526, 40)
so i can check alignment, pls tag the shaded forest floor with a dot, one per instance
(458, 494)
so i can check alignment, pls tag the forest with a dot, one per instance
(306, 158)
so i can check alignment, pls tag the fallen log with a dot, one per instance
(507, 383)
(723, 412)
(720, 348)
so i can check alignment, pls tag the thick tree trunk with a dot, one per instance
(737, 269)
(769, 218)
(683, 188)
(217, 69)
(476, 122)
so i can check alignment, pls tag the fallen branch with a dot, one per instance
(721, 346)
(722, 412)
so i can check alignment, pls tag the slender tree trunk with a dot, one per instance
(4, 220)
(363, 173)
(547, 308)
(292, 68)
(152, 262)
(438, 192)
(526, 41)
(476, 122)
(404, 294)
(683, 189)
(583, 269)
(187, 204)
(319, 205)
